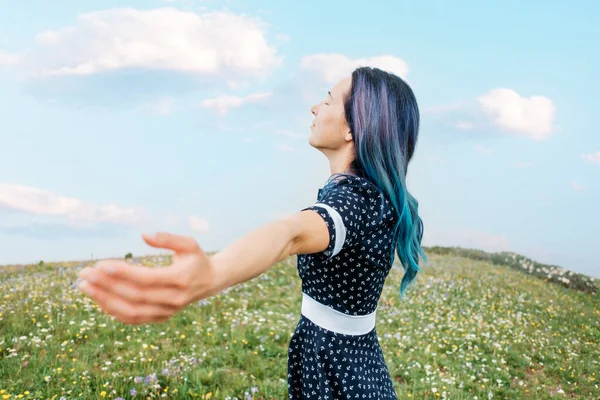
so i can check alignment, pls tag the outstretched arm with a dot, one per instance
(298, 233)
(137, 294)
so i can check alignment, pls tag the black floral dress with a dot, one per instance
(348, 278)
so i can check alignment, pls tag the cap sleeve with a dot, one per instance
(350, 208)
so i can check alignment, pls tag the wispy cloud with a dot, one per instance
(483, 150)
(334, 66)
(465, 125)
(223, 104)
(162, 106)
(9, 60)
(594, 158)
(55, 231)
(198, 224)
(36, 201)
(578, 187)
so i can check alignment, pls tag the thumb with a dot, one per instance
(177, 243)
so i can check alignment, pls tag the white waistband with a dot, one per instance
(335, 321)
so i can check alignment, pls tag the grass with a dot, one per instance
(473, 327)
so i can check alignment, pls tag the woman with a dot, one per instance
(367, 127)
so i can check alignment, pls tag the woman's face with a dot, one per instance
(330, 129)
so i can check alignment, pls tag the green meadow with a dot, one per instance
(476, 325)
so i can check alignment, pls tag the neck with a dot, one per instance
(339, 163)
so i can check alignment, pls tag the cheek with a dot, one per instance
(327, 117)
(330, 121)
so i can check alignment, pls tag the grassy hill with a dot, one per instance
(475, 326)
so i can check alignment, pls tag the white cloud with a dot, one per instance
(594, 158)
(163, 106)
(483, 150)
(250, 139)
(465, 125)
(221, 105)
(8, 60)
(284, 147)
(198, 224)
(532, 117)
(578, 187)
(216, 43)
(42, 202)
(334, 67)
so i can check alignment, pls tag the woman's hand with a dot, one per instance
(137, 295)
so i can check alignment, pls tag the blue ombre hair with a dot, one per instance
(383, 116)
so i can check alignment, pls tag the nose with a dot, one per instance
(313, 110)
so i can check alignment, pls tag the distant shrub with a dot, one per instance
(128, 256)
(550, 273)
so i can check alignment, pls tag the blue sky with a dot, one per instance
(122, 117)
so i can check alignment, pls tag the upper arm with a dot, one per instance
(310, 233)
(340, 219)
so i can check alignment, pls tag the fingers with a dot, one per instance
(140, 275)
(133, 293)
(123, 310)
(177, 243)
